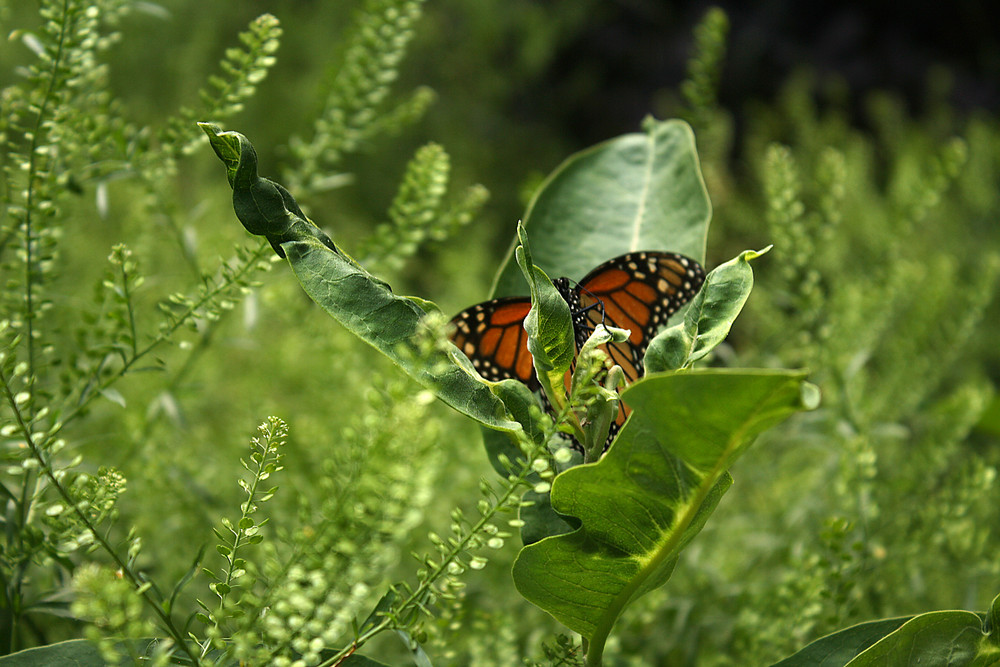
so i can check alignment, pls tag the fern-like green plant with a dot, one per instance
(64, 133)
(354, 112)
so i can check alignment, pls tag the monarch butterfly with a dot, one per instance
(638, 291)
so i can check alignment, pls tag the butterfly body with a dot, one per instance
(638, 291)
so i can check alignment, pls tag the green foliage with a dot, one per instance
(235, 538)
(244, 69)
(357, 299)
(708, 319)
(562, 573)
(705, 68)
(649, 495)
(353, 113)
(418, 212)
(881, 282)
(641, 191)
(65, 350)
(126, 384)
(111, 604)
(942, 638)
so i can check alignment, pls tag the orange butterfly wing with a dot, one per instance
(638, 291)
(492, 335)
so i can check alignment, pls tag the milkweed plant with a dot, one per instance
(385, 517)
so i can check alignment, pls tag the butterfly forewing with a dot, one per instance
(638, 291)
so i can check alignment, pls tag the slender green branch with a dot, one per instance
(141, 586)
(265, 459)
(30, 486)
(164, 335)
(133, 333)
(33, 154)
(417, 598)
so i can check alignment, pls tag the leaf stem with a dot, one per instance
(90, 392)
(133, 333)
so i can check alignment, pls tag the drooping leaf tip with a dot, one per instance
(211, 129)
(750, 255)
(810, 396)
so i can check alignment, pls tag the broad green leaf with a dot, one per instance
(709, 317)
(691, 411)
(839, 648)
(540, 520)
(363, 304)
(640, 191)
(368, 308)
(78, 652)
(651, 493)
(946, 638)
(524, 408)
(935, 638)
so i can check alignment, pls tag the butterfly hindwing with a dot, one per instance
(492, 336)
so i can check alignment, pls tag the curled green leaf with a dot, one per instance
(549, 323)
(264, 207)
(709, 317)
(362, 303)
